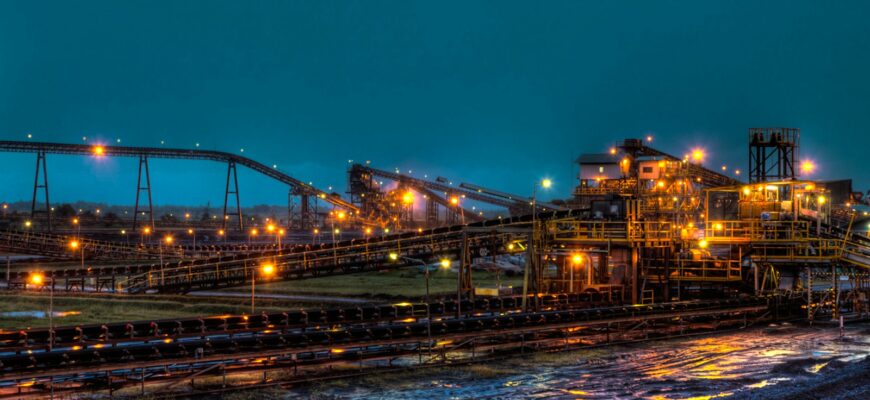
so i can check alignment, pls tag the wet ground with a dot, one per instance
(782, 362)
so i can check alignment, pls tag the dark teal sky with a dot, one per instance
(497, 93)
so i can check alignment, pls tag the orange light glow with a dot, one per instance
(36, 279)
(99, 150)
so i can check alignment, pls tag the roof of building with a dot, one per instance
(597, 158)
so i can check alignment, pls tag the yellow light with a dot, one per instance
(394, 256)
(337, 231)
(724, 168)
(822, 199)
(186, 215)
(546, 183)
(190, 231)
(75, 221)
(386, 230)
(445, 263)
(698, 155)
(36, 279)
(717, 226)
(99, 150)
(649, 138)
(408, 198)
(168, 239)
(146, 230)
(454, 200)
(613, 150)
(808, 167)
(27, 223)
(368, 231)
(341, 215)
(510, 246)
(281, 232)
(253, 232)
(74, 244)
(316, 231)
(702, 243)
(810, 186)
(577, 259)
(660, 184)
(270, 228)
(123, 231)
(221, 232)
(746, 190)
(268, 269)
(736, 172)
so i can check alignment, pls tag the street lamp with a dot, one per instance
(251, 236)
(75, 245)
(78, 226)
(145, 232)
(454, 201)
(192, 233)
(445, 263)
(39, 279)
(266, 270)
(576, 261)
(168, 240)
(545, 184)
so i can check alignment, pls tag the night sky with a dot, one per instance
(496, 93)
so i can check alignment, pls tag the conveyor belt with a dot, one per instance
(158, 152)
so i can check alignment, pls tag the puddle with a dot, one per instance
(38, 314)
(732, 365)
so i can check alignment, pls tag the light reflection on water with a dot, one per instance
(719, 366)
(38, 314)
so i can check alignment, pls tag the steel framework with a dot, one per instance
(772, 154)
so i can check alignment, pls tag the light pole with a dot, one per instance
(168, 240)
(445, 263)
(39, 279)
(532, 262)
(576, 261)
(75, 245)
(145, 232)
(192, 233)
(266, 270)
(271, 229)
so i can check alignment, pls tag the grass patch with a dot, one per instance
(101, 309)
(396, 283)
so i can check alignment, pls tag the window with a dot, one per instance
(647, 170)
(601, 169)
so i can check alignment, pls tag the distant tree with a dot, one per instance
(64, 211)
(110, 218)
